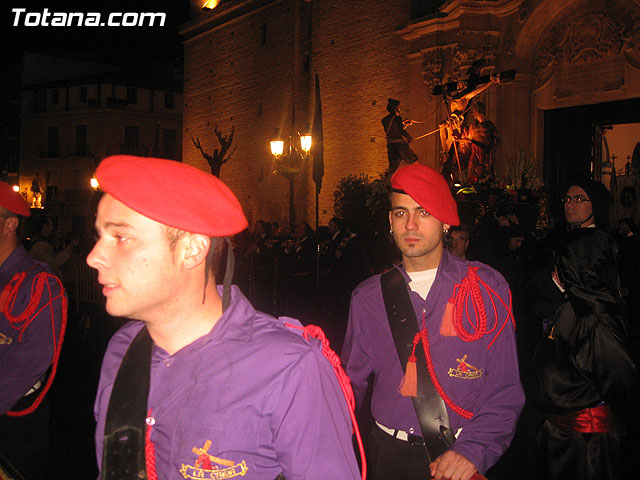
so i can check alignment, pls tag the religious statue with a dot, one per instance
(37, 193)
(398, 138)
(468, 138)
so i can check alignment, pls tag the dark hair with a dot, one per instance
(392, 105)
(216, 266)
(459, 228)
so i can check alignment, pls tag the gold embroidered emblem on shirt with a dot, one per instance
(209, 466)
(465, 370)
(4, 340)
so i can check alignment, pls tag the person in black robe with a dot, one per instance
(586, 380)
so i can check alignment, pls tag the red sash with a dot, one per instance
(590, 420)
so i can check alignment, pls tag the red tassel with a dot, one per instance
(409, 385)
(446, 327)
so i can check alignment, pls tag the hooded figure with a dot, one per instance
(601, 201)
(585, 376)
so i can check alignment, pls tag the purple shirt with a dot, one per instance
(252, 391)
(488, 384)
(24, 361)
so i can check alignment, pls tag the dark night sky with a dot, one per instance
(134, 46)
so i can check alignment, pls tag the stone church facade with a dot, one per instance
(251, 65)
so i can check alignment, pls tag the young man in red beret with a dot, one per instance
(437, 334)
(200, 384)
(33, 310)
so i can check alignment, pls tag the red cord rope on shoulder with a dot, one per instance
(22, 320)
(467, 296)
(150, 449)
(343, 379)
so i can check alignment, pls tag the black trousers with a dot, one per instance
(24, 441)
(389, 458)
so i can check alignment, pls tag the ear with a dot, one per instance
(194, 250)
(11, 224)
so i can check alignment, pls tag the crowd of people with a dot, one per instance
(521, 351)
(318, 272)
(309, 274)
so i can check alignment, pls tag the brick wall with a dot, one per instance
(236, 74)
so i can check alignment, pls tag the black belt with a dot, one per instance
(402, 435)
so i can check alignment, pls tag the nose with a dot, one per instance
(96, 258)
(411, 222)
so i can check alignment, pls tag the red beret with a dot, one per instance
(429, 189)
(13, 201)
(172, 193)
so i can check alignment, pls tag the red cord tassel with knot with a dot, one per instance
(409, 384)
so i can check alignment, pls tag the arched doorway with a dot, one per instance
(572, 143)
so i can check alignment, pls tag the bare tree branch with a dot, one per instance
(221, 156)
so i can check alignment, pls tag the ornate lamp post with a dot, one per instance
(287, 164)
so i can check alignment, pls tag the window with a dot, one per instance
(81, 140)
(54, 142)
(132, 96)
(169, 100)
(83, 94)
(131, 140)
(55, 96)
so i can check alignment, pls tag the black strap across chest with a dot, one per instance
(430, 408)
(123, 455)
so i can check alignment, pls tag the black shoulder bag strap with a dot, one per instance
(430, 408)
(123, 455)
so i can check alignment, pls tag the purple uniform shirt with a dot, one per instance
(488, 382)
(252, 391)
(24, 361)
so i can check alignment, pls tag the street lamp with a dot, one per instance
(209, 5)
(305, 142)
(287, 164)
(277, 144)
